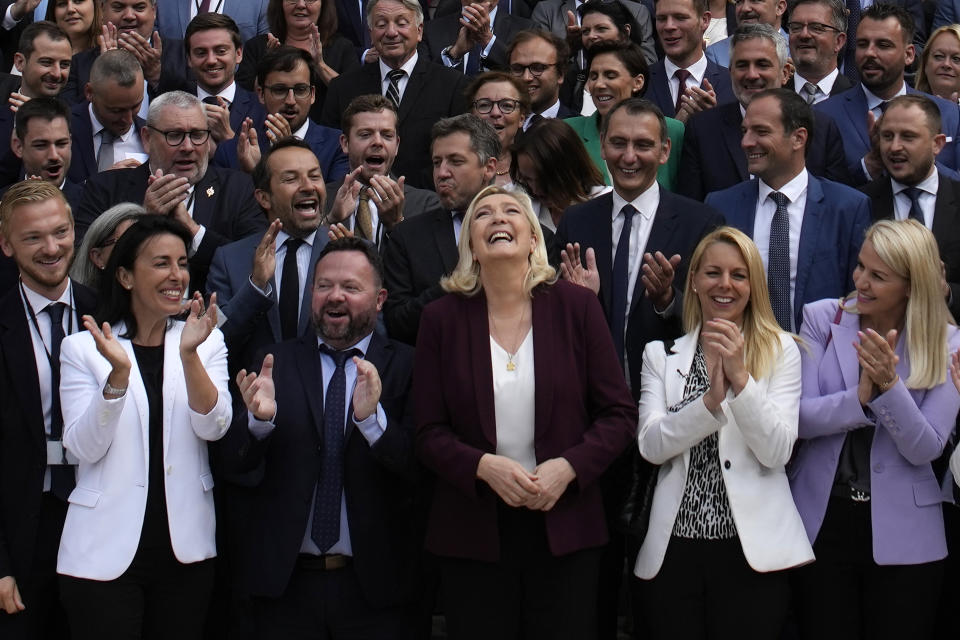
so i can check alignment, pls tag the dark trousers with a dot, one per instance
(529, 594)
(43, 616)
(706, 589)
(156, 598)
(846, 595)
(327, 605)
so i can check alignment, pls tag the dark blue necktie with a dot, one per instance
(473, 62)
(62, 476)
(778, 262)
(290, 291)
(326, 508)
(916, 213)
(621, 282)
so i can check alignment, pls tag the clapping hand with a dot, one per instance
(695, 100)
(878, 362)
(717, 392)
(575, 270)
(218, 120)
(108, 37)
(658, 273)
(248, 149)
(110, 348)
(338, 230)
(726, 340)
(258, 392)
(200, 323)
(165, 192)
(387, 194)
(955, 368)
(366, 394)
(277, 127)
(149, 55)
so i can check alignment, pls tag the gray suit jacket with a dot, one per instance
(552, 16)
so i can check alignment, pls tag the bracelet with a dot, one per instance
(886, 386)
(114, 391)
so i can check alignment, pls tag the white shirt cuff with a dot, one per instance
(266, 292)
(373, 426)
(259, 429)
(197, 239)
(8, 22)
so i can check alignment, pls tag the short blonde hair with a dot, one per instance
(761, 332)
(909, 249)
(465, 278)
(923, 84)
(28, 192)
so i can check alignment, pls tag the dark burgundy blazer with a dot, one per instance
(584, 413)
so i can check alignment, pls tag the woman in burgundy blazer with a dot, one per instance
(519, 542)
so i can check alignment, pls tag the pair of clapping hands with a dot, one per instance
(657, 277)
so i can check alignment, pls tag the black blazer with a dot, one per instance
(946, 225)
(712, 159)
(223, 203)
(658, 91)
(23, 448)
(280, 473)
(441, 32)
(83, 162)
(173, 62)
(678, 226)
(433, 92)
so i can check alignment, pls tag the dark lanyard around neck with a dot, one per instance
(36, 325)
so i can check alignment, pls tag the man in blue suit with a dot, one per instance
(884, 49)
(250, 16)
(749, 12)
(287, 81)
(685, 81)
(808, 230)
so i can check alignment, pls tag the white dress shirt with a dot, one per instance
(126, 146)
(513, 402)
(796, 192)
(824, 87)
(402, 82)
(550, 112)
(874, 101)
(697, 70)
(228, 93)
(304, 251)
(928, 198)
(646, 205)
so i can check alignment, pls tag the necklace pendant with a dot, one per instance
(511, 366)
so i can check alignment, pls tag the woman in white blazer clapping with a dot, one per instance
(719, 412)
(142, 394)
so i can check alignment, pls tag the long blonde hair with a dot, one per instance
(465, 278)
(923, 84)
(909, 249)
(761, 332)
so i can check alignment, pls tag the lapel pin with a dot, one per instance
(210, 192)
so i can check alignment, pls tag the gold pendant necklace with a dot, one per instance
(511, 364)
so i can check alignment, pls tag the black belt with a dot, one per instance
(329, 562)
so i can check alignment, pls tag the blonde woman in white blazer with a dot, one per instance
(723, 525)
(142, 394)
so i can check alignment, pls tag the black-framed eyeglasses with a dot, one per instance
(536, 69)
(816, 28)
(175, 138)
(506, 105)
(280, 91)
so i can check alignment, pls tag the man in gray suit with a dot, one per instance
(174, 16)
(370, 201)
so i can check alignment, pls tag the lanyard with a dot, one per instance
(36, 325)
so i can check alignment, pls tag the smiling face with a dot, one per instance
(372, 143)
(300, 16)
(633, 151)
(458, 174)
(681, 30)
(506, 125)
(74, 16)
(295, 110)
(815, 54)
(599, 27)
(500, 230)
(544, 89)
(773, 155)
(45, 150)
(760, 11)
(186, 160)
(158, 280)
(722, 283)
(609, 82)
(346, 298)
(881, 293)
(942, 70)
(394, 32)
(297, 191)
(908, 147)
(39, 237)
(131, 15)
(882, 54)
(213, 59)
(46, 71)
(754, 66)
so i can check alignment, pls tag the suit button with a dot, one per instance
(878, 467)
(726, 464)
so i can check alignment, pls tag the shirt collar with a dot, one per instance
(363, 344)
(551, 111)
(40, 302)
(825, 85)
(406, 66)
(697, 69)
(98, 127)
(793, 189)
(302, 131)
(874, 101)
(228, 94)
(645, 204)
(283, 235)
(930, 184)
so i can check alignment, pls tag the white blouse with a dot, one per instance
(513, 401)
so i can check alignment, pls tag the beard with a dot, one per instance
(343, 335)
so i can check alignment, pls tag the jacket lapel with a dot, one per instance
(415, 84)
(602, 244)
(945, 212)
(679, 361)
(444, 239)
(545, 343)
(311, 376)
(844, 335)
(883, 205)
(661, 89)
(205, 195)
(809, 240)
(479, 336)
(662, 230)
(17, 344)
(732, 137)
(138, 392)
(855, 104)
(172, 373)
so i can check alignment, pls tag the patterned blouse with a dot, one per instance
(704, 511)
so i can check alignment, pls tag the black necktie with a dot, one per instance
(621, 282)
(62, 476)
(393, 90)
(778, 262)
(849, 59)
(473, 62)
(326, 508)
(290, 291)
(916, 213)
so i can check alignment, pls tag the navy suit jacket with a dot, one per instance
(324, 141)
(712, 158)
(678, 226)
(279, 473)
(834, 222)
(245, 103)
(250, 16)
(849, 111)
(253, 320)
(223, 203)
(442, 32)
(83, 163)
(659, 89)
(174, 70)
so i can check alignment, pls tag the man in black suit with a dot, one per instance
(41, 140)
(818, 33)
(685, 82)
(328, 545)
(36, 476)
(106, 127)
(759, 55)
(372, 202)
(474, 40)
(424, 91)
(540, 59)
(215, 205)
(909, 141)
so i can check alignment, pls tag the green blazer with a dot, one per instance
(589, 130)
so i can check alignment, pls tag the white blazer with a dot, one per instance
(757, 429)
(110, 438)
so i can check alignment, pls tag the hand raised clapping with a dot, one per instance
(878, 362)
(200, 323)
(258, 391)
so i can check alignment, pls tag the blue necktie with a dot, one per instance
(621, 282)
(778, 262)
(62, 476)
(473, 62)
(916, 213)
(326, 508)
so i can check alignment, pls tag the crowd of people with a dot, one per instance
(540, 319)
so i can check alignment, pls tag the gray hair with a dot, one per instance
(746, 32)
(118, 65)
(412, 5)
(178, 99)
(83, 269)
(483, 137)
(838, 11)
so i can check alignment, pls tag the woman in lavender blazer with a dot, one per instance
(876, 409)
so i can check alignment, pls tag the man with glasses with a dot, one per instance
(749, 12)
(287, 86)
(215, 205)
(475, 39)
(818, 33)
(539, 58)
(423, 91)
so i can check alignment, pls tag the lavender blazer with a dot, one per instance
(912, 427)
